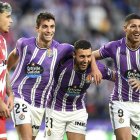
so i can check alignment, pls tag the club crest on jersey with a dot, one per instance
(49, 53)
(132, 74)
(121, 120)
(49, 132)
(22, 117)
(33, 70)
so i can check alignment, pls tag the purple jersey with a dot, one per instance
(34, 73)
(69, 89)
(127, 65)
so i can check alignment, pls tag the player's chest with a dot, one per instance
(73, 82)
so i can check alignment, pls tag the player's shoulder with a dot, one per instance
(2, 38)
(66, 45)
(115, 43)
(26, 41)
(58, 45)
(68, 61)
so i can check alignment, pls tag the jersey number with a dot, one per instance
(17, 106)
(120, 113)
(49, 120)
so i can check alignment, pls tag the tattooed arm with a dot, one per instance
(10, 101)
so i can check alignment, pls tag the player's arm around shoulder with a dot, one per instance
(67, 47)
(107, 73)
(96, 54)
(95, 72)
(66, 51)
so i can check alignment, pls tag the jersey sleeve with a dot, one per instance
(19, 46)
(67, 52)
(106, 72)
(107, 50)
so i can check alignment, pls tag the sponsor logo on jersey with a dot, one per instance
(73, 90)
(33, 70)
(132, 74)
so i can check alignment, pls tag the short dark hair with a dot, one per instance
(44, 16)
(82, 44)
(131, 16)
(4, 6)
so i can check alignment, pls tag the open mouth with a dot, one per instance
(84, 66)
(136, 35)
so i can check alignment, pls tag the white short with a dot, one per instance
(61, 122)
(125, 114)
(24, 113)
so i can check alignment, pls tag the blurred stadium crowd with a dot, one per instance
(98, 21)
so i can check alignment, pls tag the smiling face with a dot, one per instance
(132, 30)
(46, 30)
(82, 59)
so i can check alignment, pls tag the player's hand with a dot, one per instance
(89, 78)
(10, 102)
(97, 76)
(135, 84)
(4, 111)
